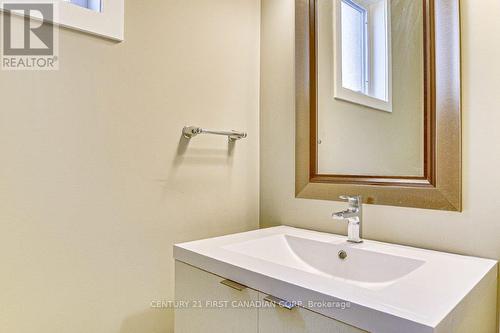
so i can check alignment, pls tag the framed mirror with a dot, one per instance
(378, 101)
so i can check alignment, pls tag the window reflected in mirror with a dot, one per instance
(363, 53)
(95, 5)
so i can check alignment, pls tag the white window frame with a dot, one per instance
(356, 97)
(108, 23)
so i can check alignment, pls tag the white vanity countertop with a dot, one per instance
(389, 288)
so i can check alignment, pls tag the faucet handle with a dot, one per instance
(354, 200)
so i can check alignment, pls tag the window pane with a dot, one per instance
(94, 5)
(352, 47)
(379, 54)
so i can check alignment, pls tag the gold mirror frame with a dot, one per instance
(440, 187)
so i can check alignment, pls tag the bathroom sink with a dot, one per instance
(332, 259)
(389, 288)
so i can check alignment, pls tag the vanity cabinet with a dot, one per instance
(206, 304)
(299, 320)
(211, 306)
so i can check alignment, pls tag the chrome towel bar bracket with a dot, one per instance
(190, 132)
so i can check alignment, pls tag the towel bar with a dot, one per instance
(192, 131)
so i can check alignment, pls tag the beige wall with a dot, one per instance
(373, 142)
(476, 231)
(95, 184)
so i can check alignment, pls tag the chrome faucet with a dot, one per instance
(354, 217)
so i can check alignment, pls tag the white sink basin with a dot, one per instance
(390, 288)
(366, 268)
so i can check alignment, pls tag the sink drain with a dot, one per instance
(342, 255)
